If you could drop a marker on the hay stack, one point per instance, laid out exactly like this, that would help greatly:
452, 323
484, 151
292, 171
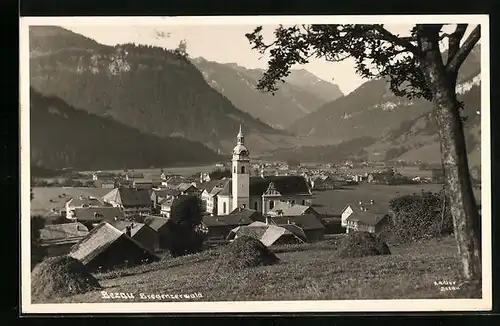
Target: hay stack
245, 252
59, 277
362, 244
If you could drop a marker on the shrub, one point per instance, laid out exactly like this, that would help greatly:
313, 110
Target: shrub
420, 216
362, 244
245, 252
61, 276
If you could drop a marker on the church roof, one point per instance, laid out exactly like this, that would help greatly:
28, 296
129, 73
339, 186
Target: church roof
286, 185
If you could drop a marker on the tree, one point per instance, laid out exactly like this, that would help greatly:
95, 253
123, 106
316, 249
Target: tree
182, 49
414, 67
183, 225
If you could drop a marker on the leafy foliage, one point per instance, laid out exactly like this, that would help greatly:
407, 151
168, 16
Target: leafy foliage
184, 234
376, 52
362, 244
420, 216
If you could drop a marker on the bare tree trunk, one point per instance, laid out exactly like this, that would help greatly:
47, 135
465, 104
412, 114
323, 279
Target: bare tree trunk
466, 219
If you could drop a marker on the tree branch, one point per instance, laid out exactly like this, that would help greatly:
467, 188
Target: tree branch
454, 41
401, 41
456, 61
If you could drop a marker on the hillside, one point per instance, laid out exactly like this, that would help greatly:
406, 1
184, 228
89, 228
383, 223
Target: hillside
62, 136
302, 94
371, 110
144, 87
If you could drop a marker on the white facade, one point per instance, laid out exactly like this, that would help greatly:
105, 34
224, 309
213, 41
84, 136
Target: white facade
240, 175
344, 215
224, 206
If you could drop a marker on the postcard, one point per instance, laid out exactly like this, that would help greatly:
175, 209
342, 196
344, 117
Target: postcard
255, 164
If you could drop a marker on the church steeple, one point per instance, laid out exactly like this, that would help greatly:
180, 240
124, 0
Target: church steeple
240, 137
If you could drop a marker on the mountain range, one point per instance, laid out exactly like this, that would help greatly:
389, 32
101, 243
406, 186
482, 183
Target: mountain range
151, 89
62, 136
301, 94
158, 97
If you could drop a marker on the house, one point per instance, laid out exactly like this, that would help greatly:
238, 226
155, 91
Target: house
105, 183
323, 182
166, 207
140, 232
366, 220
258, 193
220, 226
309, 224
106, 248
133, 175
99, 175
91, 216
132, 201
142, 184
188, 189
83, 202
344, 214
291, 209
160, 225
57, 239
266, 233
209, 191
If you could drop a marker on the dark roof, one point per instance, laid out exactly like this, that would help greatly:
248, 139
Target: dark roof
185, 186
209, 185
246, 213
98, 240
366, 217
129, 197
89, 201
97, 213
227, 220
286, 185
122, 225
306, 222
155, 222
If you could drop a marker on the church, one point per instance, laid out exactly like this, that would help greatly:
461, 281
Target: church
258, 193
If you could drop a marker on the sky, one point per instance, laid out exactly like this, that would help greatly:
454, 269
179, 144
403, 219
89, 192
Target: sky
222, 43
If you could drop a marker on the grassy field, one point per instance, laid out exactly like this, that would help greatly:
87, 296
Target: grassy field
155, 172
305, 272
331, 202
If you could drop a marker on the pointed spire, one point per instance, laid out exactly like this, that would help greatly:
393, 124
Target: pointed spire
240, 136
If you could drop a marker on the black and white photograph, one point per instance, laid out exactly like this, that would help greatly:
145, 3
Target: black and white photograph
255, 164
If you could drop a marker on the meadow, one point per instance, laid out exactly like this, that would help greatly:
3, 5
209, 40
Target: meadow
305, 272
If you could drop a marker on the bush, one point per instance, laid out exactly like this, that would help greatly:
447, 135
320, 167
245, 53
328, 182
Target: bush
362, 244
61, 276
245, 252
420, 216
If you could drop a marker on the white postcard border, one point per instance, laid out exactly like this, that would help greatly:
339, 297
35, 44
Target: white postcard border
257, 306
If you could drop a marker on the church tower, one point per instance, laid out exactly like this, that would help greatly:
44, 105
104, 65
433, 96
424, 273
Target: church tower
241, 174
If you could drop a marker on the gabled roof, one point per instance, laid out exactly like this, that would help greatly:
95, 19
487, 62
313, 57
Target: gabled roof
209, 185
97, 213
226, 220
215, 191
98, 240
371, 218
155, 222
129, 197
65, 231
246, 213
288, 209
184, 186
122, 226
267, 234
89, 201
306, 222
141, 180
227, 189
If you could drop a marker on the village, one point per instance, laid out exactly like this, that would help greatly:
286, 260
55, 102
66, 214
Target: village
273, 202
